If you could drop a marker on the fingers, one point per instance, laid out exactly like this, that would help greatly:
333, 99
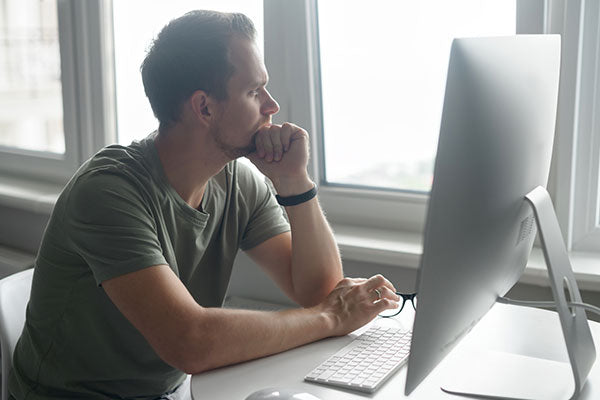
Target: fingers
384, 304
377, 295
372, 289
356, 301
378, 282
277, 147
273, 141
351, 281
287, 131
384, 292
264, 146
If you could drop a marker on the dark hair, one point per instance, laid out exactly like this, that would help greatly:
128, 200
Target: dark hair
191, 53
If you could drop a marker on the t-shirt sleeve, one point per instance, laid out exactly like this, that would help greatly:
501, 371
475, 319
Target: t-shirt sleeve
266, 216
111, 226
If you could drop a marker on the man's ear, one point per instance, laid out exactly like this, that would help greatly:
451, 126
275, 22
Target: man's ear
202, 105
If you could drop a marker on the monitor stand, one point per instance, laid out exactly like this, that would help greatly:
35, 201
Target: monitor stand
513, 376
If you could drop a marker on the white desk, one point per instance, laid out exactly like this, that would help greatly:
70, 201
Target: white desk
521, 330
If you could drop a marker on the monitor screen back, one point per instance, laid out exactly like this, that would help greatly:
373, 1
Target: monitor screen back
494, 147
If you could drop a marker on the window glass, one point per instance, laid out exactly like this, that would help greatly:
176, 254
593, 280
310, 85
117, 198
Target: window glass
134, 30
383, 69
31, 106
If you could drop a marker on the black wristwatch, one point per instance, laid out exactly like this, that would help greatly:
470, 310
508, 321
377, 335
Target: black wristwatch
297, 199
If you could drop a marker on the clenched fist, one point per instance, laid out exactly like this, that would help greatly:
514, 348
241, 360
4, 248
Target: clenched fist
282, 155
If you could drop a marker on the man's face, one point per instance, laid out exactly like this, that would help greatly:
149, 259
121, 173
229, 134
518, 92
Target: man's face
249, 105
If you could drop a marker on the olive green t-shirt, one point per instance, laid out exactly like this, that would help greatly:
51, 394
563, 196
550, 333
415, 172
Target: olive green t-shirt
118, 214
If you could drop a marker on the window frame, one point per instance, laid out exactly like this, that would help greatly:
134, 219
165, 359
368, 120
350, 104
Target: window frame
291, 56
301, 99
583, 204
87, 87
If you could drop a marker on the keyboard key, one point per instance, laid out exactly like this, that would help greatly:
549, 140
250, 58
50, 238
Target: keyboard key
366, 362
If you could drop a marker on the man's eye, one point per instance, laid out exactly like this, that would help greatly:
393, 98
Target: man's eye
254, 92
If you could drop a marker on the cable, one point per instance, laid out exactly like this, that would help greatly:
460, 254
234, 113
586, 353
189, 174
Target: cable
547, 304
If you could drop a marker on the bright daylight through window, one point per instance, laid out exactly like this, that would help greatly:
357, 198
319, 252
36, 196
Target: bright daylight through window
31, 106
133, 36
383, 71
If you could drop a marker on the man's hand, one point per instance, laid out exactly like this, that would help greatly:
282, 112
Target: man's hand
282, 155
355, 302
195, 339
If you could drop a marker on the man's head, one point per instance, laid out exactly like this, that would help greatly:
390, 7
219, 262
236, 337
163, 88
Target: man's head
191, 53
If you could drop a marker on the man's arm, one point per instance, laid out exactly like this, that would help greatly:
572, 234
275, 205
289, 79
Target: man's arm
308, 268
307, 265
195, 339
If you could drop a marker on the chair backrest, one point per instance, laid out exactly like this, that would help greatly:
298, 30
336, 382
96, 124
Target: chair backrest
14, 296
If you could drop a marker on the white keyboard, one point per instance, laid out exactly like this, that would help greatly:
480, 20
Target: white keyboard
367, 362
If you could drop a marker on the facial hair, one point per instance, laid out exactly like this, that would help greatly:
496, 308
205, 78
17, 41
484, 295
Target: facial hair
232, 152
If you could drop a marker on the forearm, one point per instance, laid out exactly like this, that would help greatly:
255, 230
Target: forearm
195, 339
315, 263
224, 337
315, 267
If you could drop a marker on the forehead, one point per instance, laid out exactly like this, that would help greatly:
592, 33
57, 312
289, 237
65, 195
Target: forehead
249, 68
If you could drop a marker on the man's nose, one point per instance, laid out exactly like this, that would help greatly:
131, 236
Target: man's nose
270, 106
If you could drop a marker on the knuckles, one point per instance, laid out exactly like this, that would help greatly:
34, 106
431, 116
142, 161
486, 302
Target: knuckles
378, 279
286, 129
346, 282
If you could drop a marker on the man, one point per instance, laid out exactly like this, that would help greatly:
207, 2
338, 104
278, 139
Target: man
137, 255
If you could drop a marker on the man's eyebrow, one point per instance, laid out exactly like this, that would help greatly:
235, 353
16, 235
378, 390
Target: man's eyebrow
260, 83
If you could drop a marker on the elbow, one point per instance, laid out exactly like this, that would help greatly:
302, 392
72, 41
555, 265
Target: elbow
178, 354
317, 292
189, 356
197, 351
192, 367
315, 297
187, 363
189, 349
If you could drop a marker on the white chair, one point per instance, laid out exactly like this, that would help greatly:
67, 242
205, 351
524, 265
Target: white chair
14, 296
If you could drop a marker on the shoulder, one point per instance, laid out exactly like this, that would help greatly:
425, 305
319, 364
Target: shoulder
117, 160
104, 192
103, 180
113, 170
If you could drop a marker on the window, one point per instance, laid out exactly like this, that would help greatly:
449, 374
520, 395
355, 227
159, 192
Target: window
53, 85
332, 40
329, 51
83, 74
30, 85
382, 78
135, 118
579, 127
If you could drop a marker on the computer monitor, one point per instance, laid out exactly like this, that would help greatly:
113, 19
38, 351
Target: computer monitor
495, 147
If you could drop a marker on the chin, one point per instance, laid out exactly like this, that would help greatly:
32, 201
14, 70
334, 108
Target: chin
238, 152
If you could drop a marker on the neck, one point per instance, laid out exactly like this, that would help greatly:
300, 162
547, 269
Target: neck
189, 160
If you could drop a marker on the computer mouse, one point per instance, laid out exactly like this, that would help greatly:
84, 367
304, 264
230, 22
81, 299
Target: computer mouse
275, 393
